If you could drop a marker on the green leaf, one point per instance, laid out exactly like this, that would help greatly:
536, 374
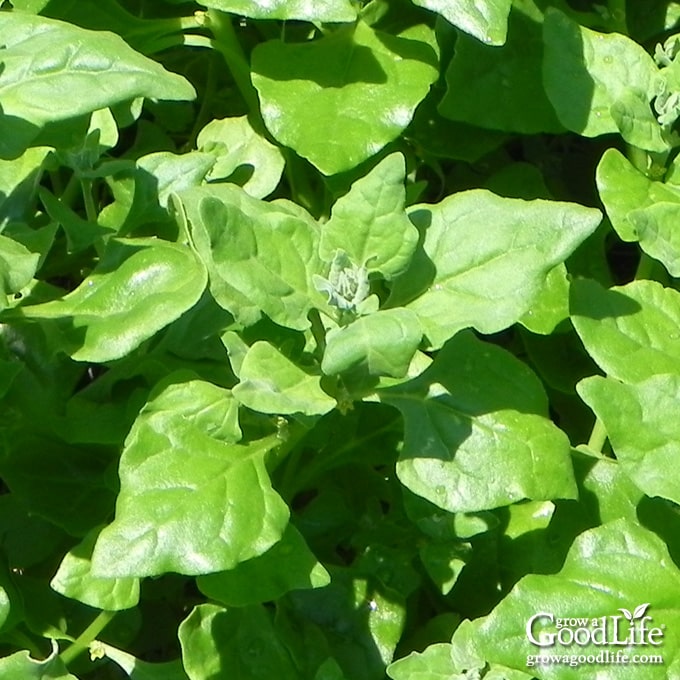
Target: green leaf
142, 191
18, 182
434, 663
600, 575
42, 57
242, 155
320, 10
505, 79
288, 565
476, 432
142, 670
74, 579
643, 427
624, 189
69, 486
219, 644
382, 344
337, 101
630, 331
600, 83
139, 287
21, 666
360, 620
260, 256
192, 501
17, 267
460, 280
369, 222
271, 383
486, 20
657, 231
551, 305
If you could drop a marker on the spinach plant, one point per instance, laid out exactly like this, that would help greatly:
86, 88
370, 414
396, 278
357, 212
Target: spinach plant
339, 339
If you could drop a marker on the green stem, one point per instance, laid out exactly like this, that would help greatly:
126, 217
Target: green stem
203, 115
598, 436
227, 43
645, 267
88, 636
319, 333
90, 207
617, 11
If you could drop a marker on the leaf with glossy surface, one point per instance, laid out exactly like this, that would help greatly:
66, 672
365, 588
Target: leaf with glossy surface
21, 666
43, 59
486, 20
260, 256
271, 383
74, 579
433, 663
288, 565
600, 83
617, 564
633, 331
369, 222
220, 644
476, 432
382, 344
657, 231
337, 101
238, 148
505, 79
192, 500
139, 287
643, 426
484, 259
624, 189
320, 10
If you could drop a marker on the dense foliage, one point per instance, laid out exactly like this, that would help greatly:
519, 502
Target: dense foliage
338, 339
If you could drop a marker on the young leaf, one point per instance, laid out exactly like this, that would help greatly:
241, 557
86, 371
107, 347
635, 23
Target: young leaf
260, 256
369, 222
623, 189
17, 267
139, 287
271, 383
367, 82
187, 500
643, 426
486, 20
237, 147
288, 565
382, 344
476, 435
630, 331
600, 83
602, 569
484, 259
42, 57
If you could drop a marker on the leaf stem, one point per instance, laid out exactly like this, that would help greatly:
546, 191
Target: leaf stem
82, 642
598, 436
319, 333
90, 207
226, 42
